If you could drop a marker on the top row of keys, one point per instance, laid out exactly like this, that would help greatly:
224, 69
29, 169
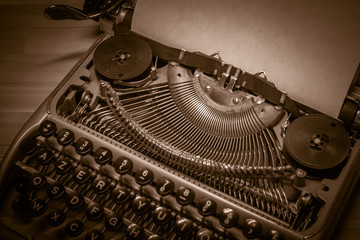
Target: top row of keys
83, 146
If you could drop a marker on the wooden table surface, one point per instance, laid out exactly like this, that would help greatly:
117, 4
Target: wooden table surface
36, 53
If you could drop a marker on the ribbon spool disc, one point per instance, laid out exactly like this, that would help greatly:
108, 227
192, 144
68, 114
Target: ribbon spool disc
317, 142
123, 58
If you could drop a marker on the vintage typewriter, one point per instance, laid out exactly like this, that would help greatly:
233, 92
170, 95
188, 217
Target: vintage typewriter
146, 141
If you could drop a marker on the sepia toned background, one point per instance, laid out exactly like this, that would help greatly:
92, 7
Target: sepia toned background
36, 53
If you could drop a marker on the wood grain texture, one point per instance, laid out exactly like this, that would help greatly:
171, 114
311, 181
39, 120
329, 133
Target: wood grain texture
36, 53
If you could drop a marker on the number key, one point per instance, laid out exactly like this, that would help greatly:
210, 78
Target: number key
164, 186
228, 218
185, 195
83, 146
123, 165
102, 155
144, 176
65, 137
47, 128
206, 206
251, 228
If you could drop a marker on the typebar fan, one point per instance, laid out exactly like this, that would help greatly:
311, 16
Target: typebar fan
180, 121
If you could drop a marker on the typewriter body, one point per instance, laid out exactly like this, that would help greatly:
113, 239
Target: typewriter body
145, 141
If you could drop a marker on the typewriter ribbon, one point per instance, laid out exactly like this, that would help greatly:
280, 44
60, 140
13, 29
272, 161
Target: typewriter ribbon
123, 59
317, 142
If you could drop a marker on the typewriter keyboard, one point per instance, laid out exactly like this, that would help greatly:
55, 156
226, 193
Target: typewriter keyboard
73, 187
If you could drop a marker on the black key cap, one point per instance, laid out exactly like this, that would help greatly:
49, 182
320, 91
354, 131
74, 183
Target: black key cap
37, 207
75, 200
55, 190
74, 227
251, 228
102, 155
100, 185
123, 165
94, 234
164, 186
44, 156
21, 204
28, 146
184, 226
83, 146
38, 181
81, 175
185, 195
162, 215
206, 206
94, 211
135, 232
47, 128
120, 195
141, 205
55, 217
154, 237
204, 233
23, 184
65, 137
62, 165
144, 176
113, 222
274, 235
228, 218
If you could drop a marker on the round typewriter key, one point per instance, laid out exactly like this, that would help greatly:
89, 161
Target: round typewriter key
123, 165
100, 185
55, 217
135, 232
164, 186
144, 176
83, 146
94, 211
47, 128
113, 222
228, 218
206, 206
75, 200
161, 215
28, 146
65, 137
183, 226
62, 165
140, 205
274, 235
205, 234
38, 180
120, 194
94, 234
55, 190
185, 195
102, 155
21, 204
44, 156
23, 184
81, 175
74, 227
37, 207
251, 228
